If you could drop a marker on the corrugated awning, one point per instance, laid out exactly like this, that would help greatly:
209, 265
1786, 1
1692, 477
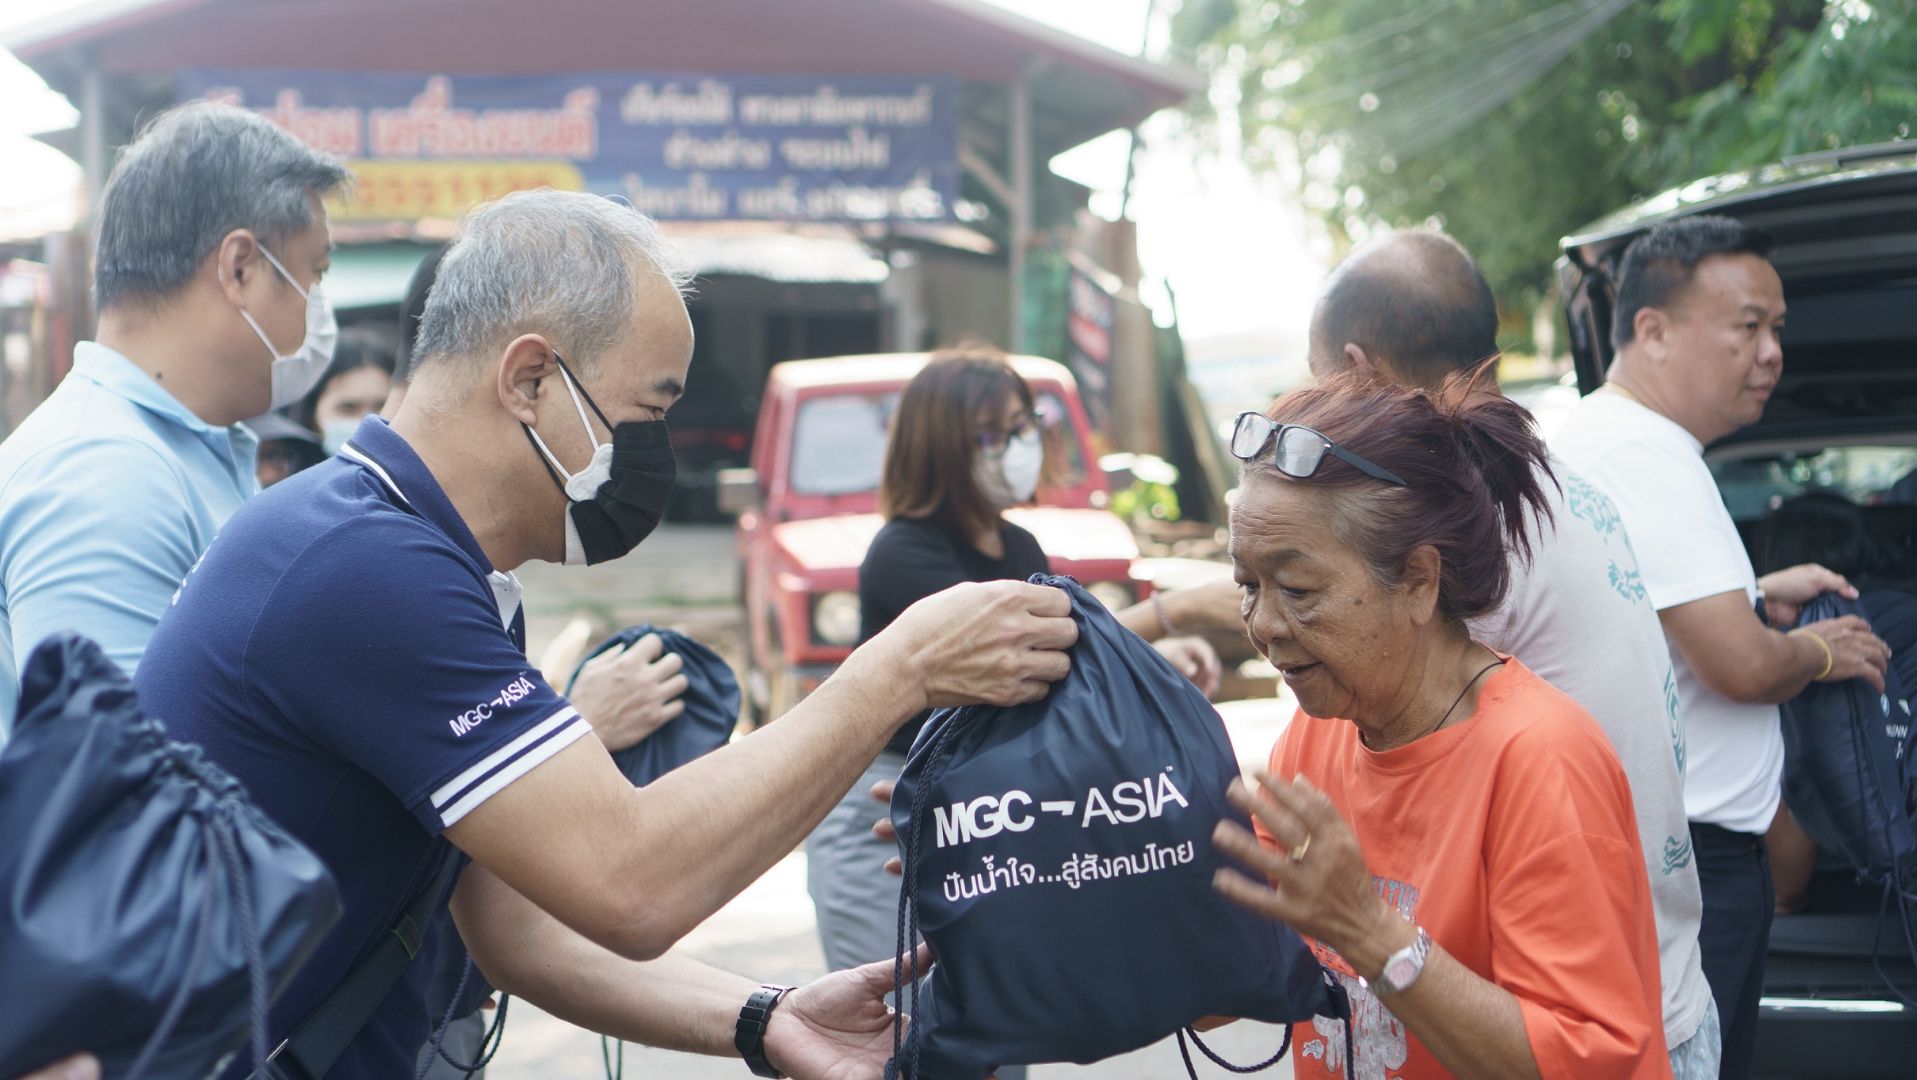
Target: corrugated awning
367, 276
1079, 89
782, 257
372, 275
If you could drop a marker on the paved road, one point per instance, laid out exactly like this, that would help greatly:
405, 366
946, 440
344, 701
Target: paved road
679, 567
767, 933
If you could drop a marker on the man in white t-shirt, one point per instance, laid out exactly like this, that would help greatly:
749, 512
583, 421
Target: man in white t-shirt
1413, 308
1697, 323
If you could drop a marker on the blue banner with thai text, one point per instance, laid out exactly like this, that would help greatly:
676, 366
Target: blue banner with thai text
679, 146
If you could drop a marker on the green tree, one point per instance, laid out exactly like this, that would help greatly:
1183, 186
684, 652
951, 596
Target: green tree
1512, 122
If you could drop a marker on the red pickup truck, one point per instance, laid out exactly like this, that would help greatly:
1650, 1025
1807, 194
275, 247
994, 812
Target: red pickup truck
807, 511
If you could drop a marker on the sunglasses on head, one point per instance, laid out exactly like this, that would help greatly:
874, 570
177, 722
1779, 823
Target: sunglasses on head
1298, 450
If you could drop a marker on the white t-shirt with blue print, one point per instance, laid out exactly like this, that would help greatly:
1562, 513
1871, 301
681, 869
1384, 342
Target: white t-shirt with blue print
1688, 549
1578, 615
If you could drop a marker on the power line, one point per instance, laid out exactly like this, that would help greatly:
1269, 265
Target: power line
1442, 115
1390, 28
1458, 51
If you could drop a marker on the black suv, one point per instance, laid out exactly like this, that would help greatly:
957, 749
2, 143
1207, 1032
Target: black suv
1843, 418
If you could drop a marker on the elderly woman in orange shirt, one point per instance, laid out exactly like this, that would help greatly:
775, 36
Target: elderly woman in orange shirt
1453, 835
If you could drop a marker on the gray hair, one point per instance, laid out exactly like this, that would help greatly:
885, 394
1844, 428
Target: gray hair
195, 174
559, 263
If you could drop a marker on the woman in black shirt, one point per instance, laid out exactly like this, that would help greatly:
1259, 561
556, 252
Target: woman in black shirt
967, 443
965, 446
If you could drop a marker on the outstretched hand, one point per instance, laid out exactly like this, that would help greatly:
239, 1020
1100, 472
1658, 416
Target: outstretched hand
1195, 659
1314, 879
1214, 606
1855, 652
838, 1027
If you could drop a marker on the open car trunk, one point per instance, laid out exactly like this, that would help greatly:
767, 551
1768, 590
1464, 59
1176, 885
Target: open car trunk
1843, 419
1844, 415
1846, 236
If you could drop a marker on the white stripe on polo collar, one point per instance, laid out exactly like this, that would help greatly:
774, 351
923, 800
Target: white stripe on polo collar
506, 587
354, 452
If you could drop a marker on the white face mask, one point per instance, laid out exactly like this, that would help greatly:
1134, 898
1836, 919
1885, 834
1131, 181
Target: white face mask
295, 375
335, 433
1009, 476
581, 486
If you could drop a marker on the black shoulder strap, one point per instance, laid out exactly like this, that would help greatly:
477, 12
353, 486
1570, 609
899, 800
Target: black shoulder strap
323, 1036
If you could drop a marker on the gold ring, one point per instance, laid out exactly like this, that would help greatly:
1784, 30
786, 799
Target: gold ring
1298, 853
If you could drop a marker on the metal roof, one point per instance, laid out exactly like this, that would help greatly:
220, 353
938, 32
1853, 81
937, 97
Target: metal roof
376, 275
372, 275
788, 258
1080, 89
893, 368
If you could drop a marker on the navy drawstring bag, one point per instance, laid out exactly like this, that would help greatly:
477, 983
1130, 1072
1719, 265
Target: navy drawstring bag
151, 911
711, 711
1849, 781
711, 705
1058, 859
1846, 756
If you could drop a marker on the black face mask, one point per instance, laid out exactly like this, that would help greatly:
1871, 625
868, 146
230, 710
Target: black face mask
620, 496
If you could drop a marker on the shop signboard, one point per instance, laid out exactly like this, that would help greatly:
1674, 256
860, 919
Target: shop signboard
679, 146
1091, 313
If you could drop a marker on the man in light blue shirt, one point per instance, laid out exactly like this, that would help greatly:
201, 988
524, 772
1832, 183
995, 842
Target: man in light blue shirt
211, 243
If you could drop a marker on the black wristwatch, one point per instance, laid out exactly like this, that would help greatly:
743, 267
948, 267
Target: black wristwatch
749, 1037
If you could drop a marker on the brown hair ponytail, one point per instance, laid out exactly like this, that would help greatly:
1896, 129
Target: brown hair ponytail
1473, 466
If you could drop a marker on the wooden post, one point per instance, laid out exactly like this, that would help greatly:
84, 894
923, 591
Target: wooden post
93, 139
1020, 136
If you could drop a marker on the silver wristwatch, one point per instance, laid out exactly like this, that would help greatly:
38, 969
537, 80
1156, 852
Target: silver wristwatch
1402, 968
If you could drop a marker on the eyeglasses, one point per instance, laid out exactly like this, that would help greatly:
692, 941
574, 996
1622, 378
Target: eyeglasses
1029, 424
1300, 450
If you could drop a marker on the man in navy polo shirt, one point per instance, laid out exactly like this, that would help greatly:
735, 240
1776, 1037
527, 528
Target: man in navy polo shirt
343, 649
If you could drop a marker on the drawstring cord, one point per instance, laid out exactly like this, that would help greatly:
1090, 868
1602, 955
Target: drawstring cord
1341, 1011
225, 864
227, 834
488, 1044
615, 1066
1242, 1070
174, 1008
905, 1049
